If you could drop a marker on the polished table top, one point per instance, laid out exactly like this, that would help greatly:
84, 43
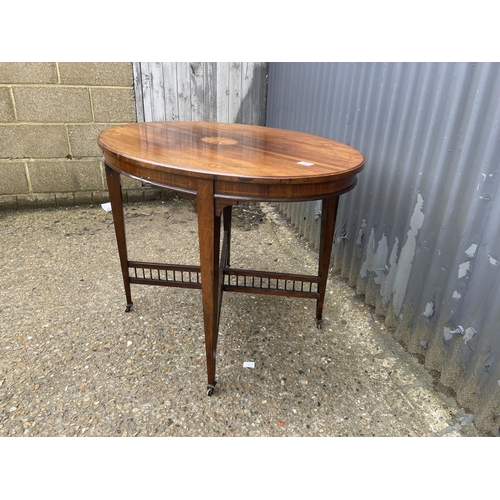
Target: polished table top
233, 155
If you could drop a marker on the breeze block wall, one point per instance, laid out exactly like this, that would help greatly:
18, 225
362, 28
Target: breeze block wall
51, 114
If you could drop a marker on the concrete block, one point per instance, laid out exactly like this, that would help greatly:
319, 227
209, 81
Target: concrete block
168, 194
8, 202
65, 199
114, 105
13, 178
45, 200
52, 104
83, 139
116, 74
65, 176
33, 141
126, 182
100, 197
26, 201
6, 108
133, 195
129, 183
28, 72
82, 198
152, 194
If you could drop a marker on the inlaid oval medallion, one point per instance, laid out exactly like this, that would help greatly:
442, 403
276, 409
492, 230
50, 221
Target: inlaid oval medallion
224, 141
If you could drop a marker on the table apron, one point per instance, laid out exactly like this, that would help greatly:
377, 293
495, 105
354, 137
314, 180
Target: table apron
238, 190
247, 191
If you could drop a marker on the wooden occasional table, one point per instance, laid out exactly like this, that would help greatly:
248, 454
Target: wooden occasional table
217, 165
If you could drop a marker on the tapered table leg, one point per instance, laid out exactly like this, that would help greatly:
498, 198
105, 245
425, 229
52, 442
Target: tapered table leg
115, 196
209, 240
328, 216
227, 215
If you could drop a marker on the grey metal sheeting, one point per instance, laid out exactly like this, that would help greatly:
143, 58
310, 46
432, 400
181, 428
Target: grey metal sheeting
419, 235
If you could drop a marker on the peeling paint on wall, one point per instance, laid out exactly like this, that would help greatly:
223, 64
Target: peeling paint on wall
493, 261
429, 309
447, 333
361, 233
388, 284
380, 260
366, 267
463, 269
469, 334
407, 254
376, 258
471, 251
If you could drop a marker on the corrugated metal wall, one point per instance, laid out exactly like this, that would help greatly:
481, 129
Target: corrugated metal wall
201, 91
419, 236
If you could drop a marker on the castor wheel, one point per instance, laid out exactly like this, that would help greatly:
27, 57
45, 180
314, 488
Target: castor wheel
129, 307
210, 389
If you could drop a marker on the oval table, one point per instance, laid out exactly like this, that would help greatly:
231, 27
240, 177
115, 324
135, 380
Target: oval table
217, 165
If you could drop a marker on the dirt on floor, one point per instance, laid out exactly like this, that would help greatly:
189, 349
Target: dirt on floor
73, 363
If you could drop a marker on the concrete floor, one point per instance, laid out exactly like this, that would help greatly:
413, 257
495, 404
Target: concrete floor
73, 363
